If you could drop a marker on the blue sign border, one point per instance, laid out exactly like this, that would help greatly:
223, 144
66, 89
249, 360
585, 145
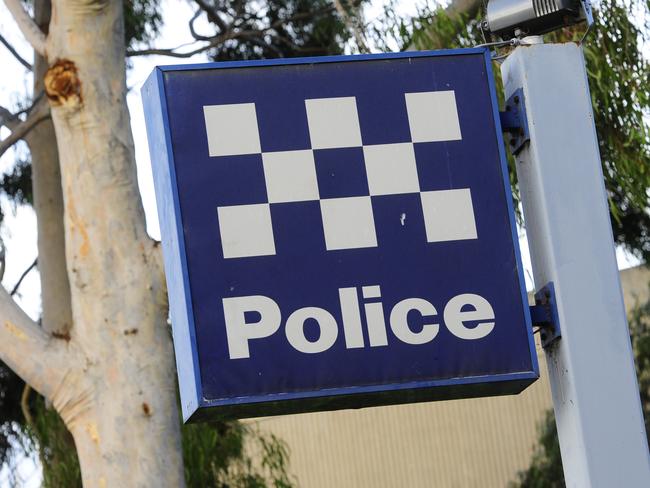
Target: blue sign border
194, 405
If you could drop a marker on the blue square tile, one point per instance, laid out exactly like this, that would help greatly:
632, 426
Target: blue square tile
285, 131
297, 230
382, 117
400, 224
234, 180
341, 172
435, 165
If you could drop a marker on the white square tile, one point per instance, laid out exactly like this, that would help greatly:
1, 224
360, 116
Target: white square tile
348, 223
333, 122
448, 215
290, 176
246, 230
433, 116
232, 129
391, 169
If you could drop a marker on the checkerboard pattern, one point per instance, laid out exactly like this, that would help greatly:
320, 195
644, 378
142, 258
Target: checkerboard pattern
291, 176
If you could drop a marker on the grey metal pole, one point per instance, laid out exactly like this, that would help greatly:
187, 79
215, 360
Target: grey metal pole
595, 391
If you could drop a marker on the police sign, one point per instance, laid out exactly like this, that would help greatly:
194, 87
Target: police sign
337, 232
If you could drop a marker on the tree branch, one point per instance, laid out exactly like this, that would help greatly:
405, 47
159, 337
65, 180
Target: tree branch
39, 112
196, 36
351, 16
27, 26
172, 52
213, 16
8, 119
12, 120
28, 350
11, 49
458, 8
22, 277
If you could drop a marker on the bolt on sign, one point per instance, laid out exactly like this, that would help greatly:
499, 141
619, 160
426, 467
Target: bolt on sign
338, 232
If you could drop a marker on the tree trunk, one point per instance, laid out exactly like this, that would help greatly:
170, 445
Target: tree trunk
48, 205
110, 372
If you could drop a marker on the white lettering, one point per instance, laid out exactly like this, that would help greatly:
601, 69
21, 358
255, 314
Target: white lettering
482, 312
351, 318
295, 330
467, 316
399, 321
239, 331
376, 324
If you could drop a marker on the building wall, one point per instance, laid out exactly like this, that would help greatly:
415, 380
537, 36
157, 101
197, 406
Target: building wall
461, 443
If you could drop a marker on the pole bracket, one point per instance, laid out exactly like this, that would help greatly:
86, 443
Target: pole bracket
514, 121
545, 316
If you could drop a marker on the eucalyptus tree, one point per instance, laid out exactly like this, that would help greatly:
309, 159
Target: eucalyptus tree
101, 354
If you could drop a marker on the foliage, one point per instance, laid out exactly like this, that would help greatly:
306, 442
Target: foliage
17, 183
142, 21
222, 455
430, 28
545, 470
275, 28
11, 387
640, 334
619, 79
46, 434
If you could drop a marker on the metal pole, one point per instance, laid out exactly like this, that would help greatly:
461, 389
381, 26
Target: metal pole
595, 391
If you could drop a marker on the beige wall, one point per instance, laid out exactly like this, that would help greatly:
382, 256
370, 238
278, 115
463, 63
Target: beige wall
462, 443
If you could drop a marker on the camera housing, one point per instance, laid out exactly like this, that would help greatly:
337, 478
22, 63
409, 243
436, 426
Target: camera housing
519, 18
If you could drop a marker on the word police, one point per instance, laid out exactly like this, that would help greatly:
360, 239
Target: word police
466, 316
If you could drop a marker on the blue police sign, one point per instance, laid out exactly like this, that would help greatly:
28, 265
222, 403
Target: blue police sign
337, 232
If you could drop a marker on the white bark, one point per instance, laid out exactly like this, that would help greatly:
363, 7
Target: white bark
31, 353
130, 434
112, 380
48, 205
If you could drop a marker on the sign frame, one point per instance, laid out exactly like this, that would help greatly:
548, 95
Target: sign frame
194, 405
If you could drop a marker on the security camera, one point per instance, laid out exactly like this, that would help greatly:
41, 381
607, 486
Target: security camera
508, 19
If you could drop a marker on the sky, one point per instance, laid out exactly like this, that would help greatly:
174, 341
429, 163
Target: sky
19, 230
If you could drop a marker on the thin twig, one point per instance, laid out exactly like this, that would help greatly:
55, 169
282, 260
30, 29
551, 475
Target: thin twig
27, 26
24, 405
215, 41
22, 277
213, 16
196, 36
11, 49
228, 34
